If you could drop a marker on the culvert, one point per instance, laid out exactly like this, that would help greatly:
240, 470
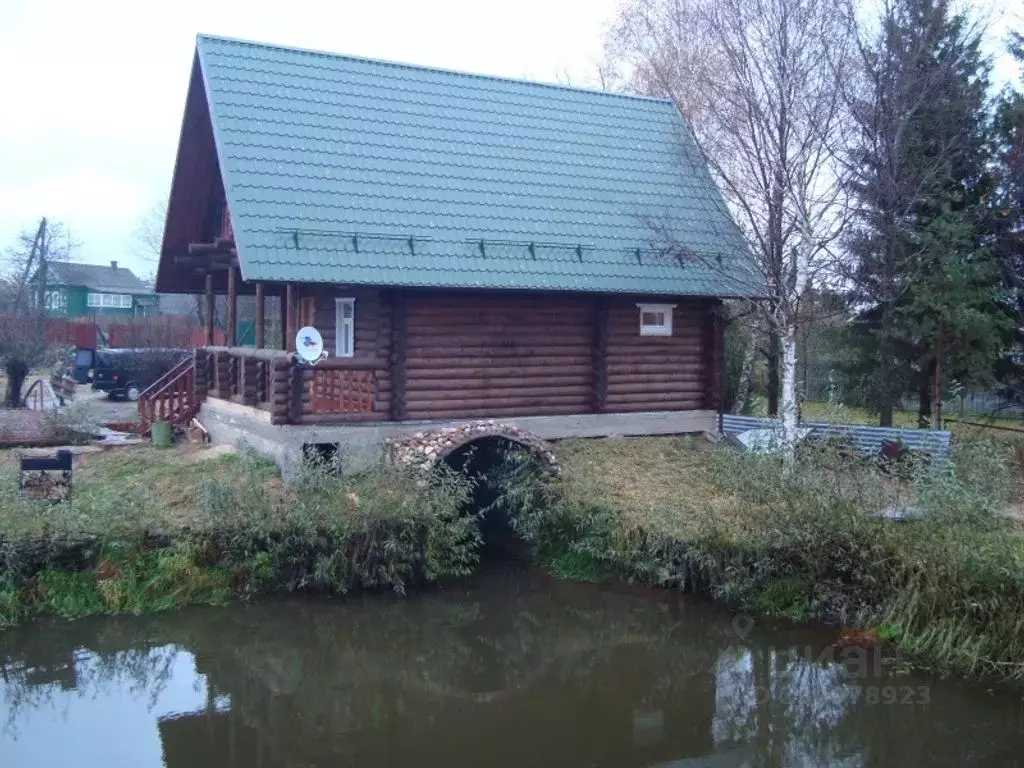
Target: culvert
487, 453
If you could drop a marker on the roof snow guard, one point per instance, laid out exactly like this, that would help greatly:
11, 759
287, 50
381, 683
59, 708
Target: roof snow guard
347, 170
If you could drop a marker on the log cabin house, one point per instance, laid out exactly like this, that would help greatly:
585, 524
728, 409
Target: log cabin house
468, 246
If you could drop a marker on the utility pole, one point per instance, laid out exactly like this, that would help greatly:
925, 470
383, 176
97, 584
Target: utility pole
38, 251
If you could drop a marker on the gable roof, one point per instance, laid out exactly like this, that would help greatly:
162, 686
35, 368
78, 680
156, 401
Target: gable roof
97, 277
348, 170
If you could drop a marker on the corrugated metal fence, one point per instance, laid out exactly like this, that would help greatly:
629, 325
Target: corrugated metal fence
866, 440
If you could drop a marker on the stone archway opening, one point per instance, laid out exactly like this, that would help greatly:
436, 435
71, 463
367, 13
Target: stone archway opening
488, 454
483, 460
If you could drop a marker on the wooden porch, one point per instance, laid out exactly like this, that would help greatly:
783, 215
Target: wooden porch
337, 390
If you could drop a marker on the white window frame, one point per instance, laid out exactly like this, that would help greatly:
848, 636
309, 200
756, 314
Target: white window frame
345, 328
656, 329
108, 300
55, 300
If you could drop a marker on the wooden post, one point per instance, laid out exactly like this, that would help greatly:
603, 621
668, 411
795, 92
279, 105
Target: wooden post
209, 309
298, 383
937, 407
714, 360
259, 316
232, 307
600, 356
283, 314
290, 327
399, 334
199, 382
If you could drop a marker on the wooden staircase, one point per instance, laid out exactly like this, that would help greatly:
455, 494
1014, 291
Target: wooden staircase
171, 398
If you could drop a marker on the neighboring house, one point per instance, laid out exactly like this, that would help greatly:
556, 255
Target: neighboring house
84, 290
467, 246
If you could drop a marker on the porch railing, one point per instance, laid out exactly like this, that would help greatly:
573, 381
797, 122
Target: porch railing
171, 398
254, 377
337, 390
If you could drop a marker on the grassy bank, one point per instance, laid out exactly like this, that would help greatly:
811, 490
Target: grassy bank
153, 530
682, 513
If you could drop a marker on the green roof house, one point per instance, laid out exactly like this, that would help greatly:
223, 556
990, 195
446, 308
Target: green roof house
79, 290
466, 246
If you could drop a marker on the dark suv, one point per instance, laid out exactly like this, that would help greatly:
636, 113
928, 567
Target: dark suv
127, 372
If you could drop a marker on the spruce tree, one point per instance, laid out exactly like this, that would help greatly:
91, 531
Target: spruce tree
924, 276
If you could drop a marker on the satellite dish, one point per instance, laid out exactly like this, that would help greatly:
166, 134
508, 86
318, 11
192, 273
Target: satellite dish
309, 345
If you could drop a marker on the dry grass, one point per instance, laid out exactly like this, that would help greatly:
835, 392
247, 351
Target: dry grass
670, 485
153, 489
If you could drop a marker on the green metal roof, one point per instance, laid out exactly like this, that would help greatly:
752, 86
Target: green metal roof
348, 170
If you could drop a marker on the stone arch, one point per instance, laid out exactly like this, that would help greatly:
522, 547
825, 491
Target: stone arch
423, 450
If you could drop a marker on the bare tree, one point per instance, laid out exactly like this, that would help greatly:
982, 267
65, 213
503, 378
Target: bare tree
148, 235
23, 338
758, 81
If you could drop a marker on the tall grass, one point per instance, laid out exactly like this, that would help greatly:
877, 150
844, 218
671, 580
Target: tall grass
948, 587
119, 546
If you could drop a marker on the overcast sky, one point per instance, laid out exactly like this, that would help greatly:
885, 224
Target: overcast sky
93, 92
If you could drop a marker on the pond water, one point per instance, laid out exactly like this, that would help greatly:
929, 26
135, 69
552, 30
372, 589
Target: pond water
511, 670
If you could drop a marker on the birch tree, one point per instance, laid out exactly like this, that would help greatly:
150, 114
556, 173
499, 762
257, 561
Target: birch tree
759, 82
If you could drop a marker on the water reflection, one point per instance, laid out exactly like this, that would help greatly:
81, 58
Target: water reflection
515, 671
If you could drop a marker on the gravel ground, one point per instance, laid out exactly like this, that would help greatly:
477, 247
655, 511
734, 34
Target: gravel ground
103, 409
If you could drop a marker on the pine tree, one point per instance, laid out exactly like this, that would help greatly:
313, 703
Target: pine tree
1006, 204
923, 270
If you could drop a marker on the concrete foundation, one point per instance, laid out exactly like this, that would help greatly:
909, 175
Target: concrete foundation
361, 444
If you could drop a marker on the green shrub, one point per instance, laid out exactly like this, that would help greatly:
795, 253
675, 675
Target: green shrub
812, 547
118, 548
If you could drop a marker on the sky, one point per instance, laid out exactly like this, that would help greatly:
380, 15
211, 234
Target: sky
92, 93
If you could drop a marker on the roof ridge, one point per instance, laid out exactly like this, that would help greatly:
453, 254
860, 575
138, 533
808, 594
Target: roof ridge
426, 68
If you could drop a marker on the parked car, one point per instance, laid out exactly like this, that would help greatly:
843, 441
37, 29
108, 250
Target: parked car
127, 372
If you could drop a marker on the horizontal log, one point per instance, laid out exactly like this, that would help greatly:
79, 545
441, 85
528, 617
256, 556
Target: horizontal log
682, 388
654, 343
346, 363
653, 397
679, 327
680, 347
218, 251
553, 338
655, 365
495, 303
632, 313
654, 378
475, 319
454, 361
278, 355
518, 372
492, 412
496, 392
682, 405
457, 382
453, 403
547, 349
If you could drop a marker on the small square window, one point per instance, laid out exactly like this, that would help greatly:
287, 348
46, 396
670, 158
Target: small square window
656, 319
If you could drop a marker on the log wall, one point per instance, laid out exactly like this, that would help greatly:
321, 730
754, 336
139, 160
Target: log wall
493, 355
448, 355
656, 373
